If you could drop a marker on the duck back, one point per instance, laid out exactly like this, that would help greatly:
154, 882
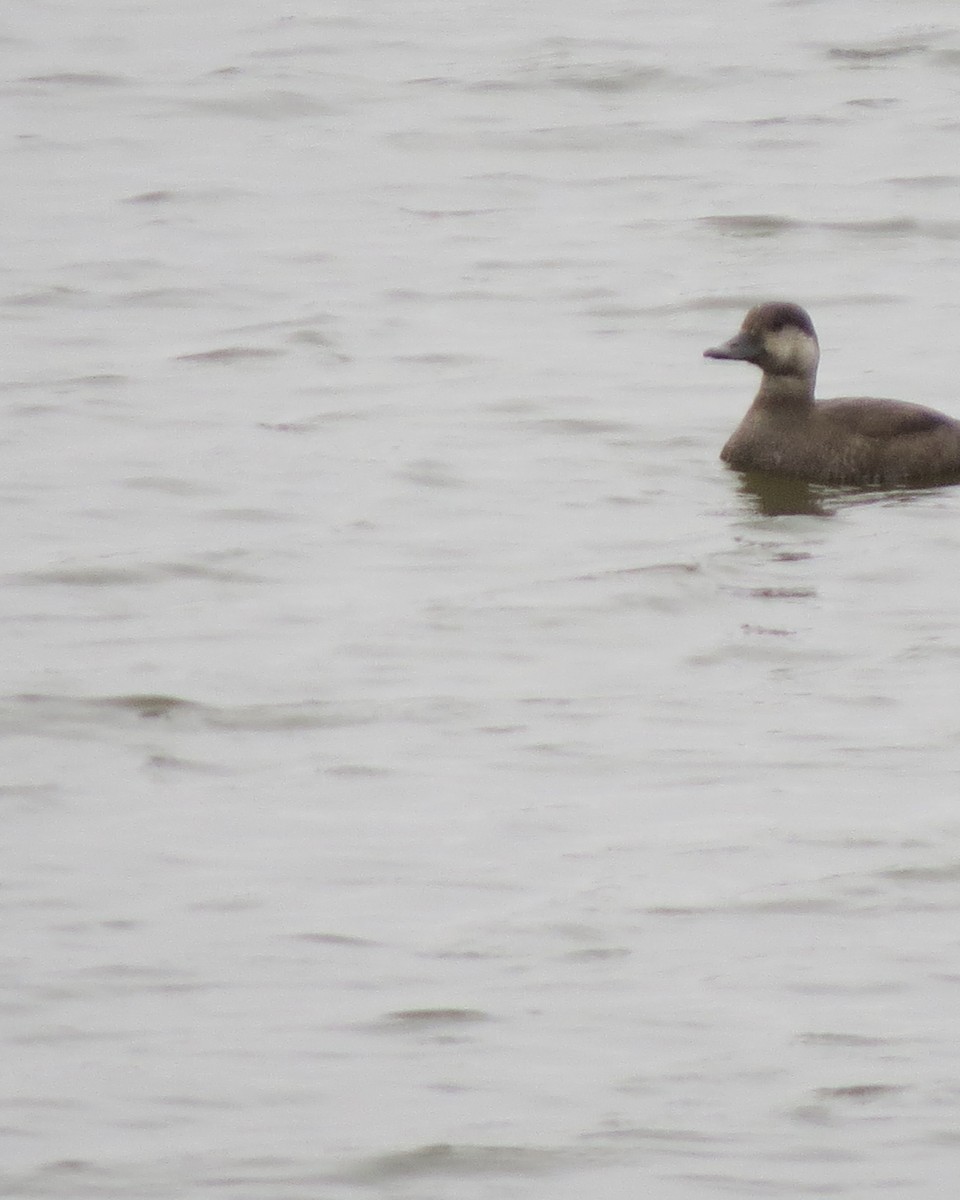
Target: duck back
851, 440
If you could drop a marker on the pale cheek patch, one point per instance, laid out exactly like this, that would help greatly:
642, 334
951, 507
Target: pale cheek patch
793, 349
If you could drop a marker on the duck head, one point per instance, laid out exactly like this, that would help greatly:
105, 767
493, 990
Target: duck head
777, 337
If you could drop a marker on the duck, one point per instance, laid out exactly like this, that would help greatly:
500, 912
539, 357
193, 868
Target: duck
855, 440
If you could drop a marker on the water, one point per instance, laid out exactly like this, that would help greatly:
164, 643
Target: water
427, 771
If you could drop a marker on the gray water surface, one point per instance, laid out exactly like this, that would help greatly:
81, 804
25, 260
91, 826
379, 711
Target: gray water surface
427, 772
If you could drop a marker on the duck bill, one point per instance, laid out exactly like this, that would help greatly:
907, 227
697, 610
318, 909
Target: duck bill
743, 348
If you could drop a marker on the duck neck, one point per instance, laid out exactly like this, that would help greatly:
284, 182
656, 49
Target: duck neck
786, 392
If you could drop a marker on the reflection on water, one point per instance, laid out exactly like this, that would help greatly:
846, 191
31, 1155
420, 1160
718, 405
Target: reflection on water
782, 496
777, 496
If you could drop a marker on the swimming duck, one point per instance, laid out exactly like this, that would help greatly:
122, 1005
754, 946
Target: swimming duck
855, 440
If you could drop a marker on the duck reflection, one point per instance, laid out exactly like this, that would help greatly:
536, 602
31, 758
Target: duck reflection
780, 496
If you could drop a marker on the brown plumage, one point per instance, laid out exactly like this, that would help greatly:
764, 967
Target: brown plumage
855, 440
